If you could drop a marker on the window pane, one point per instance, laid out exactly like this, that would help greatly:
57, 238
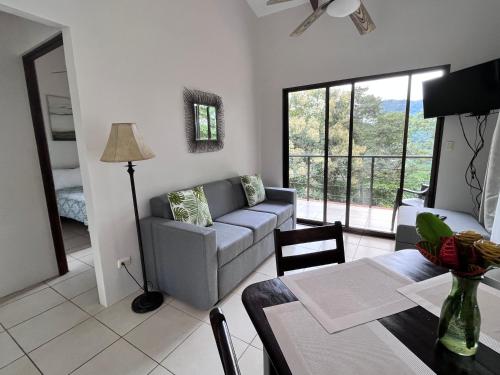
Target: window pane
379, 119
306, 122
213, 123
339, 119
421, 134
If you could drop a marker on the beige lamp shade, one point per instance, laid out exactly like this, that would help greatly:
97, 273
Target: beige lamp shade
125, 144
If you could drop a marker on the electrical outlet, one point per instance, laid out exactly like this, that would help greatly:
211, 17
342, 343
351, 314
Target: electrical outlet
127, 261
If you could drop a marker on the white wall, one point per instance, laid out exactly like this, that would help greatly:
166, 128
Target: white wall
131, 61
63, 154
452, 191
26, 250
410, 34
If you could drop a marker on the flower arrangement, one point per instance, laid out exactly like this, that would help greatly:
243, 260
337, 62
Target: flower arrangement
466, 254
469, 256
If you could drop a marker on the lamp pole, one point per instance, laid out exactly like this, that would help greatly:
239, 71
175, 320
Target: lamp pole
148, 301
131, 171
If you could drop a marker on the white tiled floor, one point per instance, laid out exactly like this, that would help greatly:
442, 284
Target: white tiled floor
60, 328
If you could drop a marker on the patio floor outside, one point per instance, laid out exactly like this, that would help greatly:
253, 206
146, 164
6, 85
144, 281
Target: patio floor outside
364, 217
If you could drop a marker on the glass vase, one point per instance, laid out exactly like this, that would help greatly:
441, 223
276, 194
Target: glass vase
460, 320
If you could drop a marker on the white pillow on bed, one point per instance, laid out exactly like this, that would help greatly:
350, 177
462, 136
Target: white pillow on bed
66, 178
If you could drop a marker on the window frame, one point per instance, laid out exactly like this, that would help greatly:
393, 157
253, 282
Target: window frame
438, 138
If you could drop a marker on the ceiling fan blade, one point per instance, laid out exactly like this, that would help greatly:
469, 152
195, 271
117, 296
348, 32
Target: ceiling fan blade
272, 2
362, 20
311, 19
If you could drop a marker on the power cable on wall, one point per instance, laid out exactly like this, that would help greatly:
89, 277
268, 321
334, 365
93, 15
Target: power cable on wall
475, 145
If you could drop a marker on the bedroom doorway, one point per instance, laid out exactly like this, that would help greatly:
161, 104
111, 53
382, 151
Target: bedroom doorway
52, 115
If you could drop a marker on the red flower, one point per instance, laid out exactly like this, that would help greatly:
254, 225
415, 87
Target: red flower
448, 253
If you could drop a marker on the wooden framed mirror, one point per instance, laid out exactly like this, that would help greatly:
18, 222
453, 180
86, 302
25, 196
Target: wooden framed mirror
204, 114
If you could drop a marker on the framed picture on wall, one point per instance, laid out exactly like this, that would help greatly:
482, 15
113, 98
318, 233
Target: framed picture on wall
60, 115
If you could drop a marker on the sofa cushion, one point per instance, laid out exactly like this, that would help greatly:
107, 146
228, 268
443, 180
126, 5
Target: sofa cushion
238, 192
282, 210
190, 206
254, 189
222, 198
231, 241
261, 223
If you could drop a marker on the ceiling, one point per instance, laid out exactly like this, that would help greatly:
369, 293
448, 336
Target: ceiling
261, 9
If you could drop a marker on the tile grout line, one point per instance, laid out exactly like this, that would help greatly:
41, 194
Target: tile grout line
244, 351
69, 278
122, 337
203, 323
14, 299
76, 325
50, 308
95, 355
40, 313
62, 333
78, 295
22, 349
163, 367
175, 348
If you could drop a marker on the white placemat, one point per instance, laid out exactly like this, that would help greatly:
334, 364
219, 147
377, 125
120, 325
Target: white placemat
349, 294
431, 293
365, 349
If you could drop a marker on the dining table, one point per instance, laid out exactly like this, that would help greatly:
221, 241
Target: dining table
415, 328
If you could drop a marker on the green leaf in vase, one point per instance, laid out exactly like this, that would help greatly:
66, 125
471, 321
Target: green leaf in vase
431, 228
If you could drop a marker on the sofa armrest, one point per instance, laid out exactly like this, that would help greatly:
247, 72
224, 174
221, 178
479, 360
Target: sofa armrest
185, 259
281, 194
284, 195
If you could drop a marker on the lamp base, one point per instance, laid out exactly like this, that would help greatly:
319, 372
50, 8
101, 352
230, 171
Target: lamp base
147, 302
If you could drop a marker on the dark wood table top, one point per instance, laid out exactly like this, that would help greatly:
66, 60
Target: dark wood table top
416, 328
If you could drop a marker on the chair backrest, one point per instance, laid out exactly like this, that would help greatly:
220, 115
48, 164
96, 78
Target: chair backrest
313, 259
224, 343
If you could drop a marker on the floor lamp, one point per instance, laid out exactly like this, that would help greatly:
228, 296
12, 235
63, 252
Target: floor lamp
126, 145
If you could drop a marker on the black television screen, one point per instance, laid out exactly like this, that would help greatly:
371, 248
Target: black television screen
473, 90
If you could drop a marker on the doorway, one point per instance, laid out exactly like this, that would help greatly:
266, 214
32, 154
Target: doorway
52, 115
350, 145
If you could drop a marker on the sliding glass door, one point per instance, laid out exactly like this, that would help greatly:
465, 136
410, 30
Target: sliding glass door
306, 142
351, 145
339, 115
377, 153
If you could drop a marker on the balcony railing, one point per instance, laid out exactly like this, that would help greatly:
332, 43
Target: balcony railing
414, 175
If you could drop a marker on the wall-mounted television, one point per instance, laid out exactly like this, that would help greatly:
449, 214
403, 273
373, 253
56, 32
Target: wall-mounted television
475, 90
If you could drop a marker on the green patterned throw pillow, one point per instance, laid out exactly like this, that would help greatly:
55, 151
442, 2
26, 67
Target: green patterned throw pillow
254, 189
191, 206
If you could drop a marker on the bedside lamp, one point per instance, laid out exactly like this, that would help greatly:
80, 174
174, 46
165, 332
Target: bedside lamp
126, 145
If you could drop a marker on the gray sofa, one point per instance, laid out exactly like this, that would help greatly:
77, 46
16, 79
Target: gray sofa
406, 233
201, 265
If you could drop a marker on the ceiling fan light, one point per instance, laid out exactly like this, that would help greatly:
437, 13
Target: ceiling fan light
343, 8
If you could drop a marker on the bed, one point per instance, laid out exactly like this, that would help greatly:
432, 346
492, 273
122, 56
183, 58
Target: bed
69, 193
71, 204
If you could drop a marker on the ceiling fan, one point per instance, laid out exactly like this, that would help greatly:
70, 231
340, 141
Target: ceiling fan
335, 8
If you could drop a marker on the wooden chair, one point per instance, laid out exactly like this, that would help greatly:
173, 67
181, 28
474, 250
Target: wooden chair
313, 259
224, 343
